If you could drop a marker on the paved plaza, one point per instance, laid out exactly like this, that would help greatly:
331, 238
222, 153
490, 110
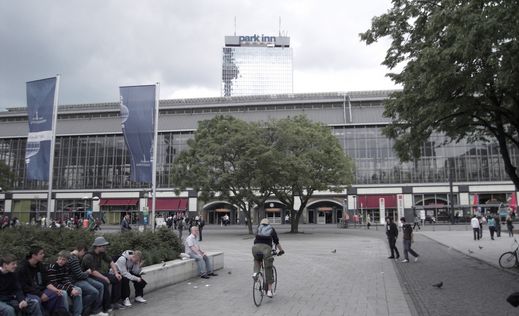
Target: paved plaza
356, 279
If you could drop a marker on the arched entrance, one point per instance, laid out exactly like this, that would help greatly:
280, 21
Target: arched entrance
324, 212
215, 212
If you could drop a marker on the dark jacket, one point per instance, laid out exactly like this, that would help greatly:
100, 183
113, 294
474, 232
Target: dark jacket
407, 231
10, 288
33, 280
125, 225
94, 261
392, 231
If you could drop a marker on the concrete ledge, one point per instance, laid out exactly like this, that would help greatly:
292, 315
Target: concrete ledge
164, 274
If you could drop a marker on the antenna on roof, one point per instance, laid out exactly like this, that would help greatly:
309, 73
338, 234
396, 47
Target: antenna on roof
235, 25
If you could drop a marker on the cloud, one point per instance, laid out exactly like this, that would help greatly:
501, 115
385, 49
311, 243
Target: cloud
99, 45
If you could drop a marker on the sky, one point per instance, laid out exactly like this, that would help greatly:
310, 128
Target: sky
98, 45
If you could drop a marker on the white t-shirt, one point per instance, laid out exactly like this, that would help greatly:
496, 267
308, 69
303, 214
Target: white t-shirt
191, 241
474, 222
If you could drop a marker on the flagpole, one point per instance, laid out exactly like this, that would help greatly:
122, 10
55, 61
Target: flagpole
154, 163
52, 145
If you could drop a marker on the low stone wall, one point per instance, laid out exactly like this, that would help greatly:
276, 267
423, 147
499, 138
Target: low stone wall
164, 274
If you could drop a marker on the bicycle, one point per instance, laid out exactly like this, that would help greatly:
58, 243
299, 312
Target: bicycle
259, 284
509, 260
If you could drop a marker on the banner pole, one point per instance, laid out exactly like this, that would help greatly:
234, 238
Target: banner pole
154, 163
51, 156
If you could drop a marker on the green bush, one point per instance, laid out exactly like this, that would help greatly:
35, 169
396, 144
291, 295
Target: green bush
163, 245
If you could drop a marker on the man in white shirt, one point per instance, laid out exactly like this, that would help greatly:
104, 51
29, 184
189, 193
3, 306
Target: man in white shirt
193, 250
474, 222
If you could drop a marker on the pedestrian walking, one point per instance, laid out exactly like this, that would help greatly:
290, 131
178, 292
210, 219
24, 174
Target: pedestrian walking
392, 235
498, 225
180, 226
474, 222
407, 232
416, 222
491, 223
509, 225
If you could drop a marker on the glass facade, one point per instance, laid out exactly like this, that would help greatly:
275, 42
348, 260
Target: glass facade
101, 161
256, 70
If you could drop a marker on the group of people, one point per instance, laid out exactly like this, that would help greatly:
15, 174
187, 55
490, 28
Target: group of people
493, 221
74, 284
407, 238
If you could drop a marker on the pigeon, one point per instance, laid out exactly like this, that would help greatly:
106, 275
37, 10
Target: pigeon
480, 247
438, 285
229, 272
334, 250
470, 251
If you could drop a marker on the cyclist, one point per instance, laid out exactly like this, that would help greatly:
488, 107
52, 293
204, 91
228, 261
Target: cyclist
262, 249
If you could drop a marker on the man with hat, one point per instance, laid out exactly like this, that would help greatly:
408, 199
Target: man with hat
93, 261
262, 250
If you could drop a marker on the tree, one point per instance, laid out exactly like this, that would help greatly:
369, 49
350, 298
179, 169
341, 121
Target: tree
460, 73
227, 158
308, 158
6, 176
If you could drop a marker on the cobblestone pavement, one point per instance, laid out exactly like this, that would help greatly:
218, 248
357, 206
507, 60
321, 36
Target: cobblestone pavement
356, 280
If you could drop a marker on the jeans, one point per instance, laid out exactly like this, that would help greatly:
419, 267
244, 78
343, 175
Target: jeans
392, 247
6, 309
476, 233
92, 294
407, 249
115, 293
204, 264
138, 286
266, 250
77, 302
492, 230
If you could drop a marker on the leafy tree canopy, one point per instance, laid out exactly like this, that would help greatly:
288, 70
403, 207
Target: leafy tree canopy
460, 73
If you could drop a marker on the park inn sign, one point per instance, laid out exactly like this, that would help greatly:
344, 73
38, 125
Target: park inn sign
257, 39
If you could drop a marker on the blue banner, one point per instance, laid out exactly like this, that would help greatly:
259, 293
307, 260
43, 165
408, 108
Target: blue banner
137, 114
40, 112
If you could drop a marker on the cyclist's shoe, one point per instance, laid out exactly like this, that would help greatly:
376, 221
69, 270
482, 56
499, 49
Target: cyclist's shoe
282, 252
255, 276
270, 294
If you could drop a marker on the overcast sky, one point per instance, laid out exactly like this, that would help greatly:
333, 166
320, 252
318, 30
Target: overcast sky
98, 46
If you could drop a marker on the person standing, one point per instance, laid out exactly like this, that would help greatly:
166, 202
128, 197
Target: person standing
509, 225
474, 222
498, 225
392, 235
201, 224
491, 223
180, 226
407, 232
416, 222
125, 223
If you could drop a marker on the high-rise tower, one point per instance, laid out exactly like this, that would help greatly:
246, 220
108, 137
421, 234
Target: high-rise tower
256, 64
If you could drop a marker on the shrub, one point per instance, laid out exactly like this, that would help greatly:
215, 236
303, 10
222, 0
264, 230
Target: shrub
163, 245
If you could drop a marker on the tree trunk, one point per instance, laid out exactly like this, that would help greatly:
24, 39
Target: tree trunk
294, 225
510, 169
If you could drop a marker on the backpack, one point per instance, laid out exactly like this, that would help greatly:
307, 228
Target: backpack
265, 230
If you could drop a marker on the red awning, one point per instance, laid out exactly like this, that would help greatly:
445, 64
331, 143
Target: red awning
171, 204
372, 201
118, 202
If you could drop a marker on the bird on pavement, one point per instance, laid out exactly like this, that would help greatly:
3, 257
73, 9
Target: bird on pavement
438, 285
334, 250
470, 251
480, 247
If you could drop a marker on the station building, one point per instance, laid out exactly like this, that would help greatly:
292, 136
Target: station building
91, 165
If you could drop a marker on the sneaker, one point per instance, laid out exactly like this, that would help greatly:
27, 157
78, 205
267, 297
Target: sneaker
391, 257
416, 259
255, 276
140, 299
100, 314
118, 306
270, 294
213, 274
205, 276
108, 311
127, 302
405, 260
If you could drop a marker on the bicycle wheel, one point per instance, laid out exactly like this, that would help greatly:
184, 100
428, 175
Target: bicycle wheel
275, 275
508, 260
257, 289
